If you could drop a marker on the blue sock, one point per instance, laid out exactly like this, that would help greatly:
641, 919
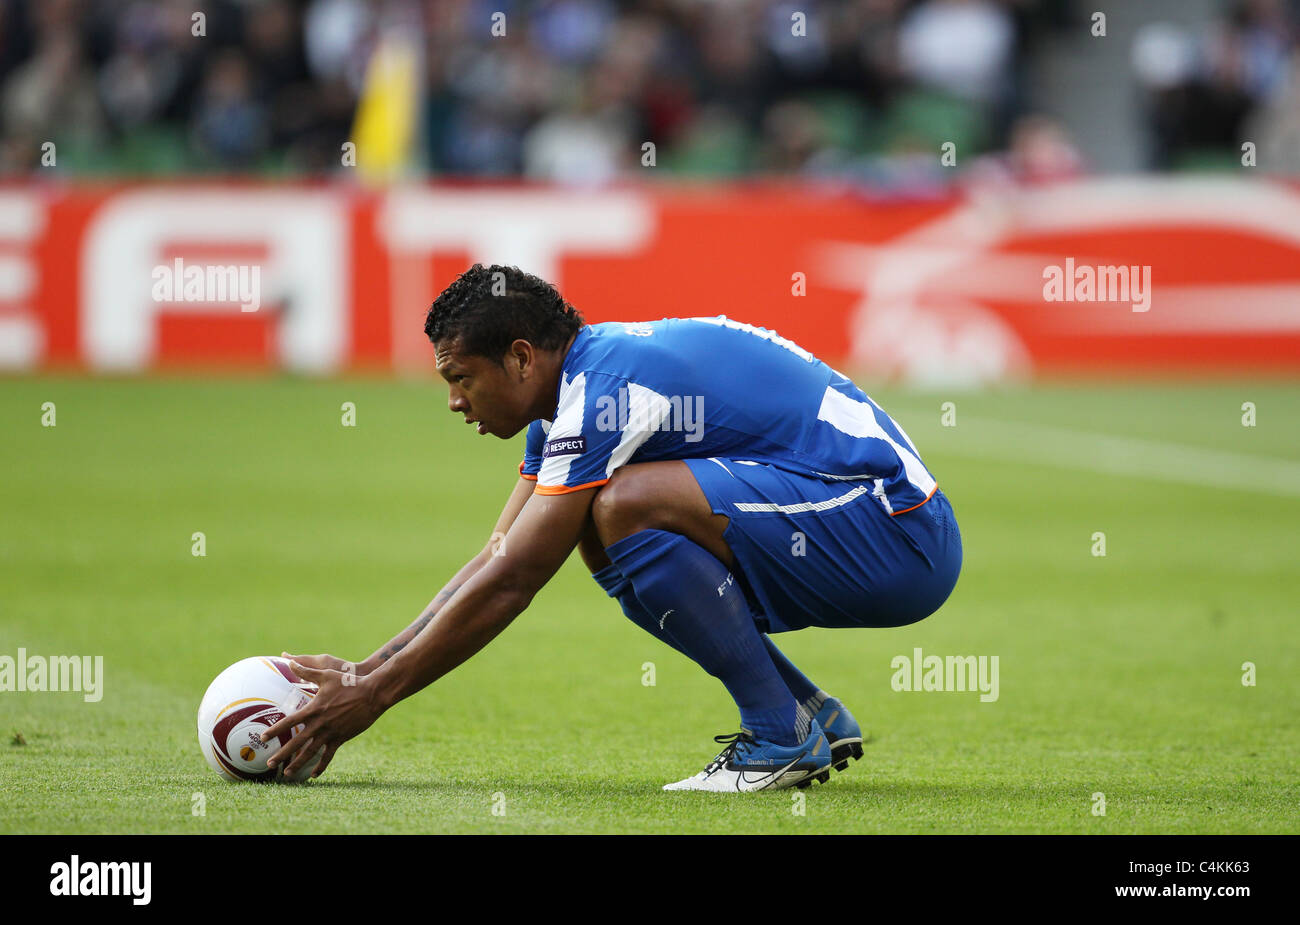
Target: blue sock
611, 580
620, 589
798, 683
698, 602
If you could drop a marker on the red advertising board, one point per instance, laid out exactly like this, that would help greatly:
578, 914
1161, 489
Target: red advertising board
1093, 277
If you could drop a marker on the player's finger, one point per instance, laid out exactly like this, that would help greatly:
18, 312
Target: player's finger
284, 724
312, 661
308, 672
269, 734
305, 752
325, 760
288, 749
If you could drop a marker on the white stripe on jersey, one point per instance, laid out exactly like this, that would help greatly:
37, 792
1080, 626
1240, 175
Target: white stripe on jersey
568, 423
897, 426
722, 321
802, 507
646, 412
857, 419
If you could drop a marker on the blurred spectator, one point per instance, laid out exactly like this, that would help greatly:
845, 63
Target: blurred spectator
142, 75
50, 97
1201, 89
230, 125
1040, 151
1275, 127
962, 47
335, 36
793, 134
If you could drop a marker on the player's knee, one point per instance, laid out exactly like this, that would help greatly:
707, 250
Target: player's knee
624, 506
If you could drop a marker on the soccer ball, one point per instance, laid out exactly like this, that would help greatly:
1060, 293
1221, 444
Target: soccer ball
245, 699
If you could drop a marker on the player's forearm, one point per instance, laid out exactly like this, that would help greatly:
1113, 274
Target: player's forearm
478, 613
519, 496
403, 639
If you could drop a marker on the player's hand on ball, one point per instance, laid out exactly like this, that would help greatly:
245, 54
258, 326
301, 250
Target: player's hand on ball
343, 708
331, 662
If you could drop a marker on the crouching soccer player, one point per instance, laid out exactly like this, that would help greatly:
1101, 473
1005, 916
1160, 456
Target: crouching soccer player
721, 483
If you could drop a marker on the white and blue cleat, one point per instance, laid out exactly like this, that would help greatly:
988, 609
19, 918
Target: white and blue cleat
842, 732
756, 764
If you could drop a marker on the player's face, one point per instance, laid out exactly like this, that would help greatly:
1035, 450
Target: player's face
494, 396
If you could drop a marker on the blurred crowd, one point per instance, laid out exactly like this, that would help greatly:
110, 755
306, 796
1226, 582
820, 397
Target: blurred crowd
571, 90
126, 86
1209, 90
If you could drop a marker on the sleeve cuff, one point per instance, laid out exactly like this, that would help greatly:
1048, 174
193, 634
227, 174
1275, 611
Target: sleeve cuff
565, 489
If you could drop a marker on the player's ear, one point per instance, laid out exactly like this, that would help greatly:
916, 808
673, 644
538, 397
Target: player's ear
520, 358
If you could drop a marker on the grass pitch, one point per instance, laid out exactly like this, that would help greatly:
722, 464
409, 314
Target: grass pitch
1119, 674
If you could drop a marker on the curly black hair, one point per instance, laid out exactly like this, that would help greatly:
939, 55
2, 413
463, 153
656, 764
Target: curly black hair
488, 308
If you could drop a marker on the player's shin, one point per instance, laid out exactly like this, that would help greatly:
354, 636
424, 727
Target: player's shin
693, 597
620, 589
804, 690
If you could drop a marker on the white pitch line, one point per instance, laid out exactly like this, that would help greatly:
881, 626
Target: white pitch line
1115, 455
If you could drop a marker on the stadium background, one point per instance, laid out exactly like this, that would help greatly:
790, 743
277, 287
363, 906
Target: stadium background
360, 154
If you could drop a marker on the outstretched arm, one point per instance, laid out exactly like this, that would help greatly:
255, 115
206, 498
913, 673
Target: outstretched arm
541, 537
514, 504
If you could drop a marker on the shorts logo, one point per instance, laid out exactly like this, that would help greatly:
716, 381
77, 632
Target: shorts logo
565, 446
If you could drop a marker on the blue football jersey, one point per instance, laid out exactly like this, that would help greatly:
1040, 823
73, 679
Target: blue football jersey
684, 388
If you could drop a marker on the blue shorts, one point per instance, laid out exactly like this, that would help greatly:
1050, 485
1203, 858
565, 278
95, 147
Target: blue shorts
846, 564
